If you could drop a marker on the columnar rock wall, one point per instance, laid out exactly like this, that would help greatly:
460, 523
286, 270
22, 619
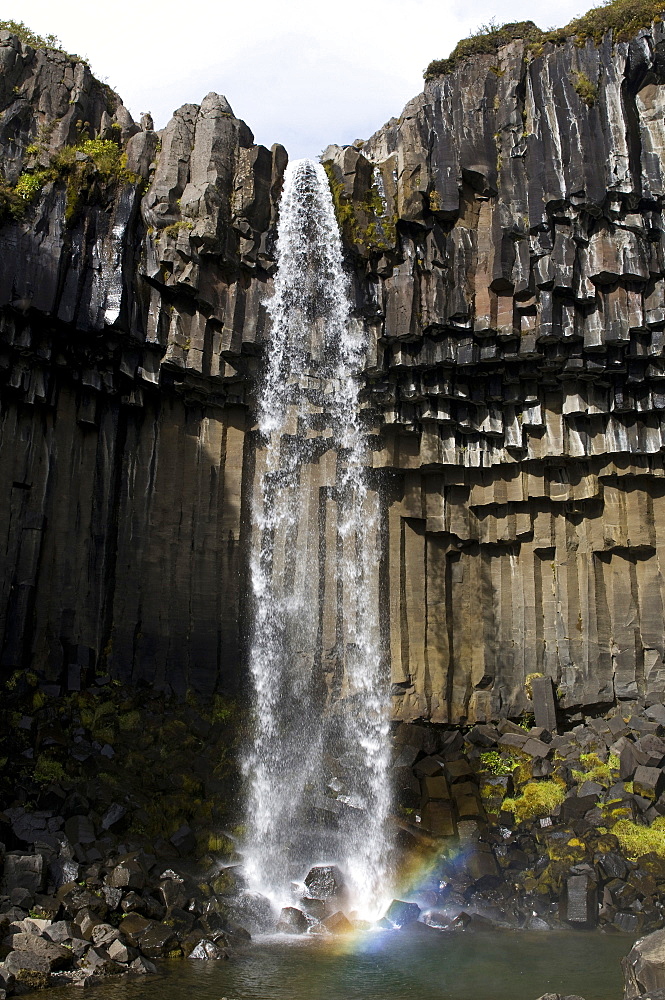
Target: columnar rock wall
505, 239
509, 233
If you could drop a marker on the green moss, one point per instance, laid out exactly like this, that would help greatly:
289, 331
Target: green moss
343, 209
175, 228
366, 223
538, 798
496, 763
585, 89
87, 169
637, 840
595, 770
623, 17
48, 770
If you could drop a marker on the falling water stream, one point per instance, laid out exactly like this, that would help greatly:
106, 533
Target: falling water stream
317, 767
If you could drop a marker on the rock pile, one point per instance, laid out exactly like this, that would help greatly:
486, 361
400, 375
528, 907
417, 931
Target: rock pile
536, 828
61, 922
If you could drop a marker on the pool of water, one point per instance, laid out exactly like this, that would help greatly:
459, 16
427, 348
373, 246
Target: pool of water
421, 963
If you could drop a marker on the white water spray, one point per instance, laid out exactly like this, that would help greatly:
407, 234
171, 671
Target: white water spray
317, 767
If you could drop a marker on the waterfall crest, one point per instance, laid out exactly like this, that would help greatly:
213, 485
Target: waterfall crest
317, 768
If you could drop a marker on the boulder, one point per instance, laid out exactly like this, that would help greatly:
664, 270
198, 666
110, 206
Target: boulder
28, 969
338, 923
208, 950
158, 940
292, 921
324, 881
54, 955
24, 871
121, 953
401, 913
644, 966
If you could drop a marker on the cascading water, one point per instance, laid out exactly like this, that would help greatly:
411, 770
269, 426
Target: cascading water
317, 767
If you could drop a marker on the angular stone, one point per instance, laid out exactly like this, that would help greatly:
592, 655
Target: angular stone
437, 818
338, 923
324, 881
121, 953
157, 940
579, 904
648, 782
292, 921
644, 966
401, 913
208, 950
429, 767
544, 704
25, 871
28, 969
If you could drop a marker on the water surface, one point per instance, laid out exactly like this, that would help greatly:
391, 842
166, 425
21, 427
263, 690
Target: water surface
422, 964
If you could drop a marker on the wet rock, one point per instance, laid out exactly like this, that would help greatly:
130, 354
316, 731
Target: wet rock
132, 927
338, 923
579, 904
128, 874
157, 940
400, 913
142, 966
54, 955
208, 950
292, 921
324, 881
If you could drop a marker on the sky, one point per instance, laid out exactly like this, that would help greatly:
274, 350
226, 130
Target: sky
303, 74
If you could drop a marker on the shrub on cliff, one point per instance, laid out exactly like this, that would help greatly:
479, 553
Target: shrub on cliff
30, 37
487, 39
623, 17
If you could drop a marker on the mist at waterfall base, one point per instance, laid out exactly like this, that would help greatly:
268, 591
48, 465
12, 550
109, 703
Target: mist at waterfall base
316, 771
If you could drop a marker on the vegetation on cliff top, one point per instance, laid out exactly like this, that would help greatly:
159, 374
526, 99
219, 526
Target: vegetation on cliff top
623, 17
30, 37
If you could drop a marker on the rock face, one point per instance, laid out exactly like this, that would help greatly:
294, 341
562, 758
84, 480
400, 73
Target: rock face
644, 966
506, 244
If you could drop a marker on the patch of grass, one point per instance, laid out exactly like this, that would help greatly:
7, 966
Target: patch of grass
637, 840
29, 185
622, 17
88, 169
175, 228
496, 763
485, 40
538, 798
585, 89
48, 770
30, 37
595, 770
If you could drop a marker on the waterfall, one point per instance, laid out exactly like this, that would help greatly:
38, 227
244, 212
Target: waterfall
316, 770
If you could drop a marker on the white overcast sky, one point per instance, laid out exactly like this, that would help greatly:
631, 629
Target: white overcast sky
303, 74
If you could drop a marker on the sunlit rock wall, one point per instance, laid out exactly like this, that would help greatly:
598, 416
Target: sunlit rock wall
510, 242
505, 241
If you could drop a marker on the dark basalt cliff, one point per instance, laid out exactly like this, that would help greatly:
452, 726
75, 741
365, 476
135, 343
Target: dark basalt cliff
506, 241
